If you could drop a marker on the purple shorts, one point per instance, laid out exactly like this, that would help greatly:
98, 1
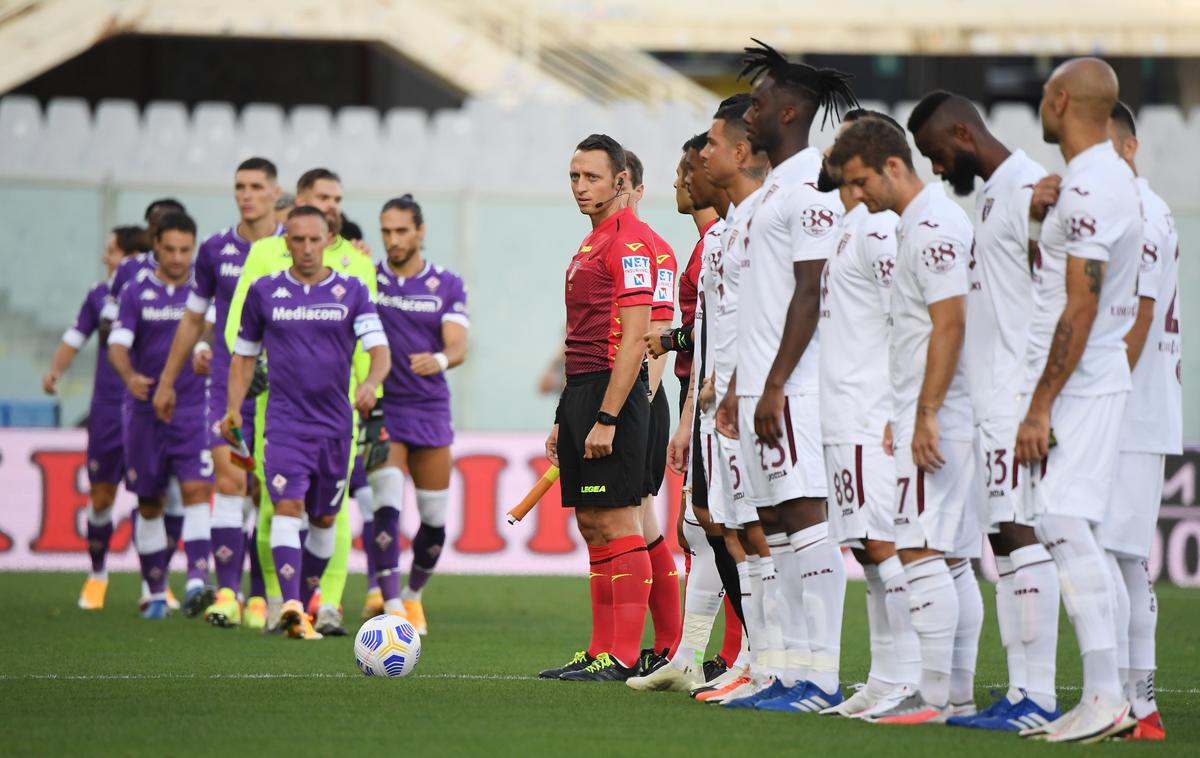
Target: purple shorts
358, 474
105, 448
214, 411
310, 469
154, 451
417, 427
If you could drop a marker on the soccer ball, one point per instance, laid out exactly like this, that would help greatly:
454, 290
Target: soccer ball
387, 646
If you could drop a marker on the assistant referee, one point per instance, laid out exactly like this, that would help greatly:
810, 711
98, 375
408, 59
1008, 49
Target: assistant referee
599, 439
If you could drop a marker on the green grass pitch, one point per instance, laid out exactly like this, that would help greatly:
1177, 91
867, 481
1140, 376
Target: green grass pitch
108, 683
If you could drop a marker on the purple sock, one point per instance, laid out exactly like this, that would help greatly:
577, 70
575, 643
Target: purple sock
386, 547
228, 544
311, 569
258, 587
154, 570
98, 537
197, 552
174, 526
287, 566
368, 537
427, 548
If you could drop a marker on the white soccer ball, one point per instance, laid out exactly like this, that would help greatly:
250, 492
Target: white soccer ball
387, 646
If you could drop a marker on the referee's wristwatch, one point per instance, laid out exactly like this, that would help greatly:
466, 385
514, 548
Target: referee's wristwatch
605, 419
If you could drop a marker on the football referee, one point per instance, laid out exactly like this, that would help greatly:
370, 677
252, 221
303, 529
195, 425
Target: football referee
601, 427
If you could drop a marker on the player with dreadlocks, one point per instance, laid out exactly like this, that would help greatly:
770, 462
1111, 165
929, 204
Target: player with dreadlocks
772, 397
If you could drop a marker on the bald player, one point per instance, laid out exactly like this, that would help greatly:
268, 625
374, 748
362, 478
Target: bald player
949, 131
1078, 378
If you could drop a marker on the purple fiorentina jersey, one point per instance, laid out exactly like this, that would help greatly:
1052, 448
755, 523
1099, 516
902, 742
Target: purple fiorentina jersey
149, 311
412, 311
133, 268
218, 265
108, 388
309, 332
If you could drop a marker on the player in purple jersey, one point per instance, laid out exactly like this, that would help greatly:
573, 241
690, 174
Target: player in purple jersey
424, 312
218, 266
308, 319
136, 266
148, 314
104, 452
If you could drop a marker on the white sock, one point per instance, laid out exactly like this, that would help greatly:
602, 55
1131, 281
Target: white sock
173, 498
752, 609
365, 498
773, 652
966, 634
882, 674
701, 600
906, 646
1120, 616
1008, 618
1143, 621
1087, 594
321, 540
934, 605
794, 657
1036, 591
823, 573
227, 513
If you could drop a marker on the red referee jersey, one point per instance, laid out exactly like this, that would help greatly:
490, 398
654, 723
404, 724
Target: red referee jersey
689, 285
616, 267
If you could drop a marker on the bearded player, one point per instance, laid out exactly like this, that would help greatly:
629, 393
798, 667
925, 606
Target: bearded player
310, 319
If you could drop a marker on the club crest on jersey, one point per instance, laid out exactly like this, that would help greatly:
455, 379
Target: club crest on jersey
843, 242
987, 208
432, 283
770, 191
338, 292
279, 482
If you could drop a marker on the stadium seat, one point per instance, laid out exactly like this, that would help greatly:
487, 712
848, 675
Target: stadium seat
1163, 135
1017, 125
261, 132
446, 163
164, 139
20, 130
115, 133
308, 142
65, 141
211, 151
357, 148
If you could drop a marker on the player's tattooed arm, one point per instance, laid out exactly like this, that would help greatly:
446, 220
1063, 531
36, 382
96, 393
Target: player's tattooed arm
1084, 277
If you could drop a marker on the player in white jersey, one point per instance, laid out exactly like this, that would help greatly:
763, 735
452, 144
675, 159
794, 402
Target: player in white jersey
950, 132
776, 380
1078, 376
931, 414
856, 404
734, 167
1151, 429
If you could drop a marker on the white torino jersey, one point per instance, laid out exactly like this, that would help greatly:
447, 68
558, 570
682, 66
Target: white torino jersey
933, 240
1153, 421
1098, 217
723, 277
856, 324
1001, 295
791, 222
710, 248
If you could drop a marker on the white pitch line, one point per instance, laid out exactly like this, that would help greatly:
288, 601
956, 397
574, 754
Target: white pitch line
351, 675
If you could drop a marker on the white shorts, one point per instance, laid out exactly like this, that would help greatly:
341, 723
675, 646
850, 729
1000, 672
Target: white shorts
1076, 478
862, 481
1133, 510
794, 467
727, 504
996, 493
930, 508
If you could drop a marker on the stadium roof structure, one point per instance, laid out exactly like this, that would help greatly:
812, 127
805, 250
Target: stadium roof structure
497, 48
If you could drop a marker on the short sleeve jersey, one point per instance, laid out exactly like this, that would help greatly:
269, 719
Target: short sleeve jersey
932, 244
856, 321
310, 332
132, 268
688, 295
790, 222
413, 310
148, 314
219, 263
614, 268
1153, 421
107, 387
1001, 295
723, 274
663, 306
1098, 217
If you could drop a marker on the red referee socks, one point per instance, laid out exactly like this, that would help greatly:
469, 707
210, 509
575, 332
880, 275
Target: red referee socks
632, 579
731, 646
664, 595
601, 585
